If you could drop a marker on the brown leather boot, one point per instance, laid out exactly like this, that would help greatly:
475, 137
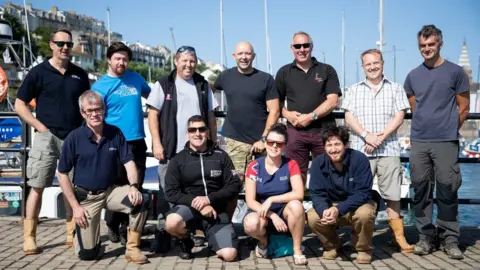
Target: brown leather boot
396, 226
29, 236
70, 231
133, 253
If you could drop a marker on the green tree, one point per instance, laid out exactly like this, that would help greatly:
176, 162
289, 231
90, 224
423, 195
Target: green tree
42, 34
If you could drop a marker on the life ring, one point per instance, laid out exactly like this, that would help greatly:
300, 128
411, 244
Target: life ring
3, 85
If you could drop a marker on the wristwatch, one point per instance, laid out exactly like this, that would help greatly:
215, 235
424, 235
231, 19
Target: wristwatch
136, 186
364, 134
264, 138
314, 115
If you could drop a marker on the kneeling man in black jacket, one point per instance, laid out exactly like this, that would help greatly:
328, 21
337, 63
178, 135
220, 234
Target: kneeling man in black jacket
200, 181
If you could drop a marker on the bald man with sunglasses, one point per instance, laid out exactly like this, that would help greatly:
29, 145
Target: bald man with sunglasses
55, 84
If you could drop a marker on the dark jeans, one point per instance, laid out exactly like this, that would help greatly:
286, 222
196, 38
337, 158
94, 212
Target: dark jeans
139, 151
430, 161
299, 146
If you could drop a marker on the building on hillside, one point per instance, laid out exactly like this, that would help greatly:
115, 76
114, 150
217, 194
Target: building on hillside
150, 56
83, 60
464, 61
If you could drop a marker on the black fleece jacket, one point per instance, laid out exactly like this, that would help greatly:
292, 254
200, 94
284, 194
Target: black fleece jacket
191, 174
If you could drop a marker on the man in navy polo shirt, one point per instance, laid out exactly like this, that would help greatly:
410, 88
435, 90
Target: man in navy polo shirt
94, 149
55, 84
340, 184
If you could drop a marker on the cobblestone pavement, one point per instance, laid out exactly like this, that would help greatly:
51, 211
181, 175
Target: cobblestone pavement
55, 255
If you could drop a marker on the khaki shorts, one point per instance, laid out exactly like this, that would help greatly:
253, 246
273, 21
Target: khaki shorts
42, 159
240, 154
389, 176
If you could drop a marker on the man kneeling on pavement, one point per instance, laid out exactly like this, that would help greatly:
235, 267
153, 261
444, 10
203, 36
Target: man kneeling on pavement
93, 150
200, 181
340, 185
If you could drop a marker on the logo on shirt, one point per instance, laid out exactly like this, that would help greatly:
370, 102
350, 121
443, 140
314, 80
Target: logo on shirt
112, 149
76, 77
318, 79
283, 178
215, 173
168, 97
350, 180
126, 90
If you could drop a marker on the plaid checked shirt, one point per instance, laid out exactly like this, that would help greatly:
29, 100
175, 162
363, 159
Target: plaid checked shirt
374, 111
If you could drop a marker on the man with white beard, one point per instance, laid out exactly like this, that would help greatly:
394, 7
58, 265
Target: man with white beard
122, 91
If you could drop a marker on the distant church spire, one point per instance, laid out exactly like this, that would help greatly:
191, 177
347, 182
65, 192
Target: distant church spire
464, 60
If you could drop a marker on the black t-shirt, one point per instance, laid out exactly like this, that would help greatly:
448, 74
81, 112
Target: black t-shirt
247, 96
304, 92
56, 96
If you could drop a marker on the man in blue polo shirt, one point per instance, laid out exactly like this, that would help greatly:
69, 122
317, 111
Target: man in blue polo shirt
55, 85
340, 184
122, 91
94, 150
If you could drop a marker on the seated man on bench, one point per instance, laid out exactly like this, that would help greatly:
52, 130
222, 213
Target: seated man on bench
93, 150
340, 185
200, 181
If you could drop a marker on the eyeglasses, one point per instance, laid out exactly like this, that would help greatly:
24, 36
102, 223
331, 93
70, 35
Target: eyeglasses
304, 45
278, 144
60, 44
89, 112
194, 130
185, 49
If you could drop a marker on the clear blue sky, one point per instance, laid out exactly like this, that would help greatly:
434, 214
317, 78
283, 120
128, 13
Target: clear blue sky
197, 23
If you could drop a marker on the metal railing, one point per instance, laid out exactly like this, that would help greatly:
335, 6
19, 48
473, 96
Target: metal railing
26, 145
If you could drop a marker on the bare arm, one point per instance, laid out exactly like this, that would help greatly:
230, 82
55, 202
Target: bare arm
353, 123
296, 193
212, 126
273, 106
22, 110
394, 124
132, 173
411, 100
327, 106
463, 102
154, 125
67, 189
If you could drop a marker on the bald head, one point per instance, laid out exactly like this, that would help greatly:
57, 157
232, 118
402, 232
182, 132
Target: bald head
244, 46
244, 56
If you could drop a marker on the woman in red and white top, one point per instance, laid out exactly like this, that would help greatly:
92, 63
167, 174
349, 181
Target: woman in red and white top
273, 192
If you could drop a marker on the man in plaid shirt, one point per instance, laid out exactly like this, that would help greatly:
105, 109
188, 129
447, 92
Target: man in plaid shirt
374, 110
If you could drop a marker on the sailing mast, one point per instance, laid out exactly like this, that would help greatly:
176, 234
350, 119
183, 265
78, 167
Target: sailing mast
222, 95
343, 51
267, 41
28, 32
380, 43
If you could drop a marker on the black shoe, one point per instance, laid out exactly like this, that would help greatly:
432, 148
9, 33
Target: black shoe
186, 246
162, 241
423, 247
452, 250
113, 235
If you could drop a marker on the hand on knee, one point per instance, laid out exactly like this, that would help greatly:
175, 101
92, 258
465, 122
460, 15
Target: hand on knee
227, 254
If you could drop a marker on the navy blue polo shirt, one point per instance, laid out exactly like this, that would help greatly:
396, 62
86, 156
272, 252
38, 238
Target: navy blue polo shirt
56, 96
95, 163
350, 188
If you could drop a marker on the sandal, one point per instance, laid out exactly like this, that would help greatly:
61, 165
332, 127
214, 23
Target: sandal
261, 253
300, 259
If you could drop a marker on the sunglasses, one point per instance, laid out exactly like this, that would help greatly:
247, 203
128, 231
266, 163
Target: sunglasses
185, 49
195, 129
278, 144
304, 45
60, 44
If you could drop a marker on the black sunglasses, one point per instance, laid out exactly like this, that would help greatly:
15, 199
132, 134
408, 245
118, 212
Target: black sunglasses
195, 129
186, 49
60, 44
304, 45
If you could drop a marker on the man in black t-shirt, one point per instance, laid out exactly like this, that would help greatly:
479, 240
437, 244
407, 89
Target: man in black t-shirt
253, 107
55, 84
311, 91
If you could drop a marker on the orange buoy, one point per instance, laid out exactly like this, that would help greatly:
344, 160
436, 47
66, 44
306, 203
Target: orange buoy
3, 84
